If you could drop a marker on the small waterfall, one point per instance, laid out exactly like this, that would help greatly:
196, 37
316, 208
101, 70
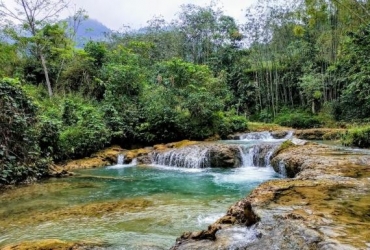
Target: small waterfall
120, 159
120, 163
254, 136
187, 157
282, 169
257, 155
289, 135
246, 155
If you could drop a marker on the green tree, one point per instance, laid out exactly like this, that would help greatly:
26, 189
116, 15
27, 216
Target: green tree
34, 15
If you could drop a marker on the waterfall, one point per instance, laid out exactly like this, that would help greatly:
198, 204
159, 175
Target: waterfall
289, 135
120, 159
246, 155
187, 157
254, 136
282, 169
257, 155
120, 163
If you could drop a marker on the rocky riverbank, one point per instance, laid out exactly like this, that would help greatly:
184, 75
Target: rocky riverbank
324, 205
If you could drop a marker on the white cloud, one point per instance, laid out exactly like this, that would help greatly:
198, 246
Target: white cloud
135, 13
116, 13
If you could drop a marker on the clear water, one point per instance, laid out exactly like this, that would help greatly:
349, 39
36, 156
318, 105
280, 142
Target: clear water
164, 202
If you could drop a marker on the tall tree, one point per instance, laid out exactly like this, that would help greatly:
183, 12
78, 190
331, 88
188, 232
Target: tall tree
33, 15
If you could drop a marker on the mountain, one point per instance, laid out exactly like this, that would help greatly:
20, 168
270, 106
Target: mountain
89, 29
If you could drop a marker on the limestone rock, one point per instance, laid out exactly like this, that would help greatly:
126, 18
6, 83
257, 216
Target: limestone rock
279, 134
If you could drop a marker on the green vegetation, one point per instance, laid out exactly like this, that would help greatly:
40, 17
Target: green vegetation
297, 119
300, 64
286, 144
357, 137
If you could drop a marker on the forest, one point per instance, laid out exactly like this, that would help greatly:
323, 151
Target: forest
300, 64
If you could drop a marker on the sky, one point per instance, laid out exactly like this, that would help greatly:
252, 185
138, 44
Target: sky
135, 13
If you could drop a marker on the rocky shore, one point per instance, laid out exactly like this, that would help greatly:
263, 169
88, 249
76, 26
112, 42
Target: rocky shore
325, 204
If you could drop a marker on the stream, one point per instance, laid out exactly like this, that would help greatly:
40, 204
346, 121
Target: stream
129, 206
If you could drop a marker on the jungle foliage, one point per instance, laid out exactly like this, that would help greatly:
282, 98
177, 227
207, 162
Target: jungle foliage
297, 63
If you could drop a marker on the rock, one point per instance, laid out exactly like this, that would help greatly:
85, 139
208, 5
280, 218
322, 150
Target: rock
102, 158
240, 213
279, 134
53, 244
209, 234
299, 142
318, 133
224, 156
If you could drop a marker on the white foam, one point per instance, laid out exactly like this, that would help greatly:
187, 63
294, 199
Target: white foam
187, 170
205, 220
247, 174
120, 166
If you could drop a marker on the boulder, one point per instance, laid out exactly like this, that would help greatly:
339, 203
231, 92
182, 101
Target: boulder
224, 156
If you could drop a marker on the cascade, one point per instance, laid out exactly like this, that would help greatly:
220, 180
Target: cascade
257, 155
120, 163
254, 136
120, 159
187, 157
282, 169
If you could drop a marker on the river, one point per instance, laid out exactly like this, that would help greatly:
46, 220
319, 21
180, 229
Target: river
126, 206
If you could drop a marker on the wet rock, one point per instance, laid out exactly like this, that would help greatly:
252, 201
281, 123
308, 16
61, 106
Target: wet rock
279, 134
209, 234
226, 156
240, 213
102, 158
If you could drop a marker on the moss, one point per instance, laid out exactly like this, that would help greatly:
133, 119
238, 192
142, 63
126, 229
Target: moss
285, 145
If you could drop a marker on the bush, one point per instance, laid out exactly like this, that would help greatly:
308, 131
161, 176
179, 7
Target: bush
297, 120
358, 137
20, 156
87, 133
230, 123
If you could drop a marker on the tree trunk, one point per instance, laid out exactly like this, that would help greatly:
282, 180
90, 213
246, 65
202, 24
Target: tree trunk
44, 67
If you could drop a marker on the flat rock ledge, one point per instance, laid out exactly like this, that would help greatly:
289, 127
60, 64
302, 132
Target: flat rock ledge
324, 205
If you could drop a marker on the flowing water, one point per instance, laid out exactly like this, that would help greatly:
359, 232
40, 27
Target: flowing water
128, 206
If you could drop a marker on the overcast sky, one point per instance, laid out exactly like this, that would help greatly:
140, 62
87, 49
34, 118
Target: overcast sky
135, 13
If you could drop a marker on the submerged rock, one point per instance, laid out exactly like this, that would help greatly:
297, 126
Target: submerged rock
325, 205
53, 244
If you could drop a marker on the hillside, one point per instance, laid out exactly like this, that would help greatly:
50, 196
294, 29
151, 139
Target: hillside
90, 29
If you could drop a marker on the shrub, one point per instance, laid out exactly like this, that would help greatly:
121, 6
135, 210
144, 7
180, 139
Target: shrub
20, 156
297, 120
88, 134
230, 123
358, 137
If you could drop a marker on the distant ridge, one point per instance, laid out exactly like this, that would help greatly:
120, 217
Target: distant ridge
89, 30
